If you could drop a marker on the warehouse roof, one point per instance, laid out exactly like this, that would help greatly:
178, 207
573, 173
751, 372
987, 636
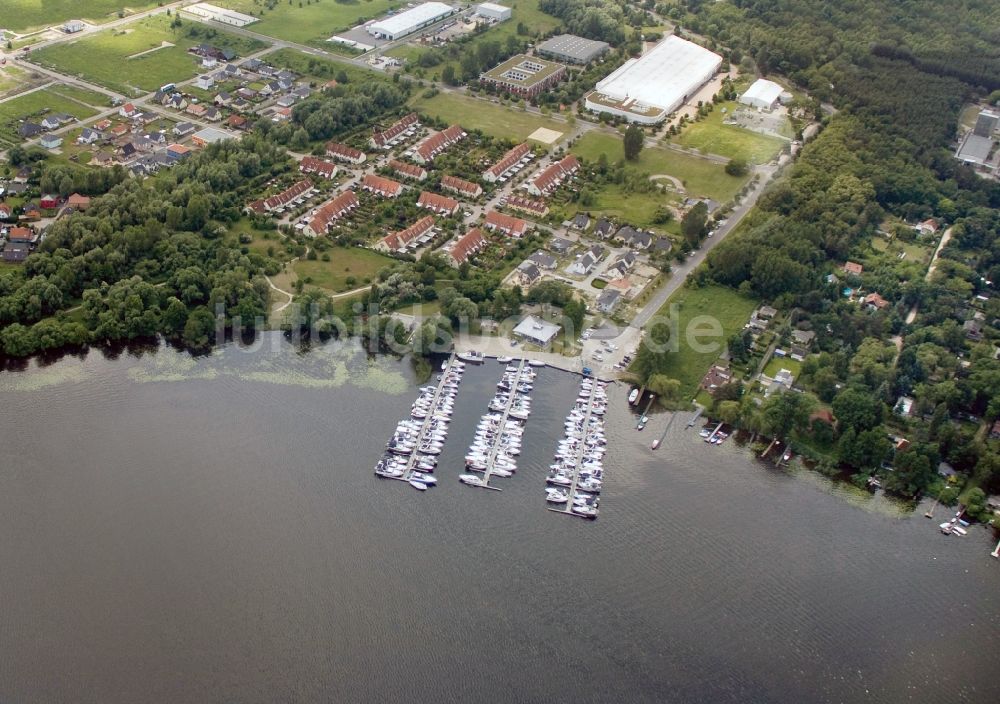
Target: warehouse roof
414, 17
664, 75
764, 90
583, 50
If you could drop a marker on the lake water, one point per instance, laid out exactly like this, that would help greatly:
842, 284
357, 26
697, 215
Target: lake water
210, 530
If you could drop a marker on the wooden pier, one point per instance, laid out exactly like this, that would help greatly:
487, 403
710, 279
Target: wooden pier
663, 436
411, 459
696, 416
495, 450
579, 459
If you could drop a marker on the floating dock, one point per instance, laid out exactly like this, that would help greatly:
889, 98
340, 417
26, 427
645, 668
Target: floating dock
578, 460
491, 460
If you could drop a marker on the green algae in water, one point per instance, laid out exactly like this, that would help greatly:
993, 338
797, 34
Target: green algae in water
43, 378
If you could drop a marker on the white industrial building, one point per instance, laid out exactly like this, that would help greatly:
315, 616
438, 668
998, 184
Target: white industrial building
647, 89
222, 15
763, 94
408, 22
492, 11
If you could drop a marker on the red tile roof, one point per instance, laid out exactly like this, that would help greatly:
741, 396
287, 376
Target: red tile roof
438, 142
508, 160
343, 151
553, 176
454, 183
331, 211
312, 165
437, 203
382, 186
399, 240
506, 224
470, 243
409, 170
380, 139
528, 205
287, 196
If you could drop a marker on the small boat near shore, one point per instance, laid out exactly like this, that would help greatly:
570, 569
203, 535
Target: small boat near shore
505, 359
633, 397
472, 356
536, 363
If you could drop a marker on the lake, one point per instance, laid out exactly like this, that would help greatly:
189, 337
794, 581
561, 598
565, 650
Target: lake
210, 530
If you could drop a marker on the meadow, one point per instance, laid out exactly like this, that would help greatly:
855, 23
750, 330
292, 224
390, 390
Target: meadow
490, 118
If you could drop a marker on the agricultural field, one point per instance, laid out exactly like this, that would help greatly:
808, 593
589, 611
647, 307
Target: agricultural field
710, 135
309, 24
141, 57
36, 105
82, 95
347, 269
723, 304
700, 177
491, 118
22, 15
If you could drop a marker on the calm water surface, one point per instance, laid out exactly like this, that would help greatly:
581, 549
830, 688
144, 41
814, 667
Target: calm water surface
179, 530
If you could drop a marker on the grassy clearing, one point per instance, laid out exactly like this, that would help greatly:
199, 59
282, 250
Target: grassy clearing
776, 364
35, 106
711, 136
89, 97
345, 263
104, 58
310, 23
22, 15
491, 118
700, 176
305, 64
724, 305
637, 209
10, 77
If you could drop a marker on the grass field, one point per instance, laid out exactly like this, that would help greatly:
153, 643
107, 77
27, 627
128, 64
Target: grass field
10, 77
104, 58
700, 176
491, 118
344, 262
711, 136
776, 364
724, 305
90, 97
36, 105
309, 23
295, 60
21, 15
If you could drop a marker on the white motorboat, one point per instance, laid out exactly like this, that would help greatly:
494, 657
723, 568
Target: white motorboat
428, 479
472, 356
536, 363
505, 359
554, 496
419, 486
634, 396
471, 480
585, 511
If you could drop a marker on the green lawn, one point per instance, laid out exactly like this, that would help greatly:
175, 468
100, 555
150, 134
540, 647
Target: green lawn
711, 136
724, 305
313, 23
21, 15
109, 58
89, 97
344, 262
700, 177
35, 106
636, 209
313, 66
10, 77
776, 364
491, 118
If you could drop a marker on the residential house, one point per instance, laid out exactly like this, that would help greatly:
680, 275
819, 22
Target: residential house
30, 212
461, 186
49, 201
51, 141
803, 337
636, 239
798, 353
514, 159
14, 252
536, 331
608, 300
420, 232
286, 101
466, 246
293, 195
78, 202
320, 167
396, 133
223, 99
585, 263
405, 170
212, 114
904, 406
329, 213
603, 229
506, 224
182, 129
237, 122
342, 152
22, 235
177, 102
581, 222
782, 381
196, 109
927, 227
560, 245
527, 273
623, 285
973, 330
852, 268
128, 111
436, 143
381, 186
102, 125
5, 211
51, 122
543, 260
27, 130
874, 301
718, 375
661, 245
88, 136
622, 265
443, 205
178, 151
553, 176
532, 206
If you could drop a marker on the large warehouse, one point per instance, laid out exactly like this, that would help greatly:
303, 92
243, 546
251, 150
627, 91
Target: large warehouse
408, 22
763, 94
572, 49
647, 89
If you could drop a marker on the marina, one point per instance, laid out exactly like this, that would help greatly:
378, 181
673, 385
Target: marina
411, 454
578, 473
497, 441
